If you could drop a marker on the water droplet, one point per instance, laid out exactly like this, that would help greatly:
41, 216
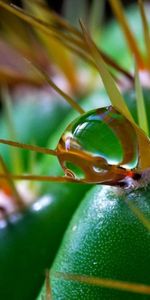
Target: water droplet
103, 135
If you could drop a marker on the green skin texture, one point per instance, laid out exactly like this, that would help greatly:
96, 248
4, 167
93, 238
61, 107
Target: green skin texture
104, 239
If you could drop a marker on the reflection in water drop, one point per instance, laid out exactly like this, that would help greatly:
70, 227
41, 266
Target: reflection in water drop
74, 171
99, 170
69, 173
103, 135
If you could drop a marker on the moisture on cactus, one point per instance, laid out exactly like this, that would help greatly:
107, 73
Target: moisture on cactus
98, 134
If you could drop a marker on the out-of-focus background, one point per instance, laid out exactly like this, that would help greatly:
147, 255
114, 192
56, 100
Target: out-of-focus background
59, 4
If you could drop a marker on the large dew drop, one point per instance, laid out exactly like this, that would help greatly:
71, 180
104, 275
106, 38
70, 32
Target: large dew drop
97, 141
